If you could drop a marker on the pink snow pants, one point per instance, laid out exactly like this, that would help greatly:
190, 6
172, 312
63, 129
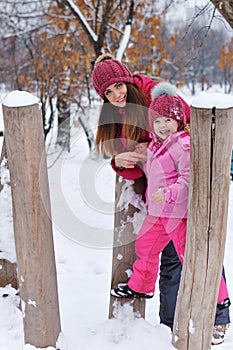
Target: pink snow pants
153, 237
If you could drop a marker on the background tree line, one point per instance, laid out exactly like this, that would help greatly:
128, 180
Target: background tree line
48, 47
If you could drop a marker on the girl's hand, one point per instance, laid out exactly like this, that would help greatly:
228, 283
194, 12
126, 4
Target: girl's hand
141, 149
158, 197
128, 159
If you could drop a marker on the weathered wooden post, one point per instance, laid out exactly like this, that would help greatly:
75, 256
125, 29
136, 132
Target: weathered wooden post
8, 273
211, 146
124, 238
32, 219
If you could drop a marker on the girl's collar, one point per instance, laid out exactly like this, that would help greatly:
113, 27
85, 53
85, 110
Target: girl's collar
156, 142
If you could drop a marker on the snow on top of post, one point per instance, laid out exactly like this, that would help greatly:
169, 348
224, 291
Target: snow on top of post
210, 100
18, 98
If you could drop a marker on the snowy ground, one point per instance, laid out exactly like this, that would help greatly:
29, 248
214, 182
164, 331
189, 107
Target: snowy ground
84, 267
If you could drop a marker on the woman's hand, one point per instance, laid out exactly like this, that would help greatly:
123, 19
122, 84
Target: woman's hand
128, 159
158, 197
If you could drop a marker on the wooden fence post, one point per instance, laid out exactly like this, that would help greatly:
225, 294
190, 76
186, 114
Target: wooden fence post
124, 242
211, 146
32, 219
8, 273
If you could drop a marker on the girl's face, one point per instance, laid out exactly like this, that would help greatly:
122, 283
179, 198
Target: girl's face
163, 127
117, 94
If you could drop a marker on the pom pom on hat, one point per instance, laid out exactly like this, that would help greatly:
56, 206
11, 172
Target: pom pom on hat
103, 57
166, 103
109, 71
163, 88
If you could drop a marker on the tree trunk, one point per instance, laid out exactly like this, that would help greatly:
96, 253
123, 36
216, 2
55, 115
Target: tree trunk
32, 224
3, 155
63, 135
211, 147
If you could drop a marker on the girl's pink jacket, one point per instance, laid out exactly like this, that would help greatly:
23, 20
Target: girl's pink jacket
146, 85
167, 169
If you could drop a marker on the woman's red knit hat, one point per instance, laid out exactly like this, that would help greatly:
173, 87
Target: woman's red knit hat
166, 103
109, 71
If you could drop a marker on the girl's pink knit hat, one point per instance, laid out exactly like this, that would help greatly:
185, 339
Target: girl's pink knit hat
109, 71
166, 103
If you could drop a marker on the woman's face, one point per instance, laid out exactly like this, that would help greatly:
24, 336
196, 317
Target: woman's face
164, 127
117, 94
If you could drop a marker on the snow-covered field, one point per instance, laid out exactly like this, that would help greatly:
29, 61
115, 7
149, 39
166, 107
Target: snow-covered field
82, 190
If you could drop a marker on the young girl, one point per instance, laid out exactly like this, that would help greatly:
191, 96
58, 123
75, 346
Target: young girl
167, 169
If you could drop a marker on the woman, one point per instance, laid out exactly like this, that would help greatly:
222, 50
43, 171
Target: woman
122, 129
